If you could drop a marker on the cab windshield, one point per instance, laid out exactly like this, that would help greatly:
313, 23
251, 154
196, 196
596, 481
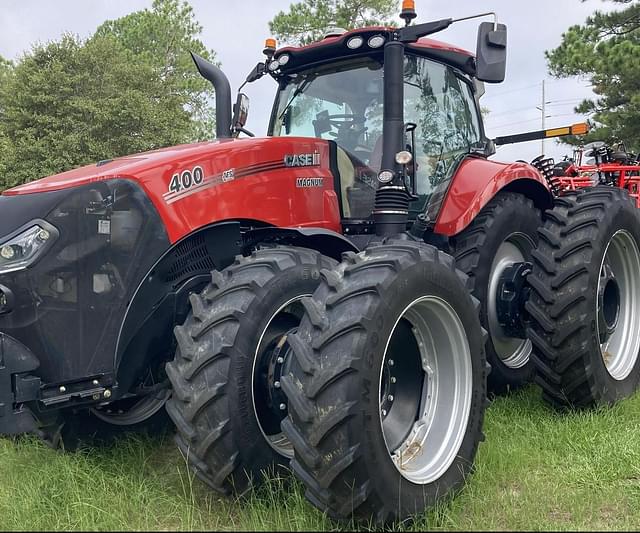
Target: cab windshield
343, 102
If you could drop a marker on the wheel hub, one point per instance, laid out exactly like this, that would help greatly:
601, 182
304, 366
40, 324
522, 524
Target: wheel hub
513, 349
269, 401
513, 292
608, 303
277, 359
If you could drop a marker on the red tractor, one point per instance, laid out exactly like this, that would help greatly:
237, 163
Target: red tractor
321, 298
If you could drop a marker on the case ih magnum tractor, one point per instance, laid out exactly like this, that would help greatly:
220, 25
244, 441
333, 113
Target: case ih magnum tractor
297, 295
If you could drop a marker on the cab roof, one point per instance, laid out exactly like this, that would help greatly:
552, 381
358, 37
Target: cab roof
335, 46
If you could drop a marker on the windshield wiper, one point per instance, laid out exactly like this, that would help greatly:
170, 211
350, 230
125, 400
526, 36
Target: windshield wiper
299, 90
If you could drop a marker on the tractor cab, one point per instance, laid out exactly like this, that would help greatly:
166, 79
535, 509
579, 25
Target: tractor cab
334, 90
400, 111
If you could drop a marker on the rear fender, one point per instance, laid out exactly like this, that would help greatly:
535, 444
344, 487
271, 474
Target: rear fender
477, 181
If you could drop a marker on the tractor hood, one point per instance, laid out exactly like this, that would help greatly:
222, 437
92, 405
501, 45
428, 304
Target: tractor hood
129, 166
194, 185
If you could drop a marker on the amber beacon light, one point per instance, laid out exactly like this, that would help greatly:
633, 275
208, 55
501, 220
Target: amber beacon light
408, 11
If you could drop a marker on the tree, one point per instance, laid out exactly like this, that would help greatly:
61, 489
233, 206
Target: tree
130, 87
6, 70
606, 49
307, 21
162, 38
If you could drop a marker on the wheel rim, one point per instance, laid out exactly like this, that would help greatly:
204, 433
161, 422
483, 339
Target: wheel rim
130, 411
424, 423
512, 351
269, 358
618, 305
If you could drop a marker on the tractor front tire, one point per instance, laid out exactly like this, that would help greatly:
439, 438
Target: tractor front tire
504, 232
386, 384
226, 403
585, 299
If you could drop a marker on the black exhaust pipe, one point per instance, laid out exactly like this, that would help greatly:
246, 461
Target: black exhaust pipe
223, 94
391, 210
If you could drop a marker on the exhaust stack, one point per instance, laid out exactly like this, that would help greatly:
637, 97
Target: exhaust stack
223, 94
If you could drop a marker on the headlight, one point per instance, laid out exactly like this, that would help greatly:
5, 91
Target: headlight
376, 41
23, 249
355, 42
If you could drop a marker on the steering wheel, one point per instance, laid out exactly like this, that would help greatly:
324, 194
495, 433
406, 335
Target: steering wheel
338, 121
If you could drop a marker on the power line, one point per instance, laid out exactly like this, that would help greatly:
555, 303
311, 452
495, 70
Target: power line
531, 107
489, 126
523, 88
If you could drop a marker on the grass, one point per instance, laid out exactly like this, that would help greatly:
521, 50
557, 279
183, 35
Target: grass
537, 470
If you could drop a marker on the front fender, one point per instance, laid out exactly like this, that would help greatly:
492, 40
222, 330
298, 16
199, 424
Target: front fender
325, 241
477, 181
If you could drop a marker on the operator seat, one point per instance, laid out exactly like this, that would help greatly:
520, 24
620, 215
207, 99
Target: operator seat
347, 172
355, 196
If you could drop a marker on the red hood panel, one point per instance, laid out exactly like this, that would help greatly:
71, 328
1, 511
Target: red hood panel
281, 181
123, 167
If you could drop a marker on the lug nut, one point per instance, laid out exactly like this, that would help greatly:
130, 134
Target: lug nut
390, 397
384, 412
393, 379
107, 393
282, 407
391, 363
277, 384
280, 360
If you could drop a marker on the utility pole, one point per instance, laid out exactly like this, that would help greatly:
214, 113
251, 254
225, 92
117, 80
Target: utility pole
543, 110
544, 113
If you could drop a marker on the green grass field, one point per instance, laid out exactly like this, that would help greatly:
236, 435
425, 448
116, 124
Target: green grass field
536, 470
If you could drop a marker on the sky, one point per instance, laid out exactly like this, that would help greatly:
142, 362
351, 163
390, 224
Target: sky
236, 31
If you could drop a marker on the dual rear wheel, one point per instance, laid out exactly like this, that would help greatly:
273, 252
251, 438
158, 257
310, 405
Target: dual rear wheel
368, 377
585, 299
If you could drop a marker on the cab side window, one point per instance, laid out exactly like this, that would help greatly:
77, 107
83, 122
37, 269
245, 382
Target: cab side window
443, 107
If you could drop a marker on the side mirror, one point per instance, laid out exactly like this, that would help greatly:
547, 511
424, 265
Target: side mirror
491, 54
240, 112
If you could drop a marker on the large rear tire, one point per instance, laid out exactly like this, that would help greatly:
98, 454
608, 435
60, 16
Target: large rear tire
388, 362
226, 403
504, 232
585, 299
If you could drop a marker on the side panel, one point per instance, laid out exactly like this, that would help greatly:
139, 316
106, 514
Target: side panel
283, 181
476, 182
249, 180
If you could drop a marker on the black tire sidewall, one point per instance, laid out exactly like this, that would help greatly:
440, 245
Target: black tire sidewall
616, 219
287, 285
410, 284
514, 217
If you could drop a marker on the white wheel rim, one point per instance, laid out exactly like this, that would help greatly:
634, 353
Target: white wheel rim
440, 424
